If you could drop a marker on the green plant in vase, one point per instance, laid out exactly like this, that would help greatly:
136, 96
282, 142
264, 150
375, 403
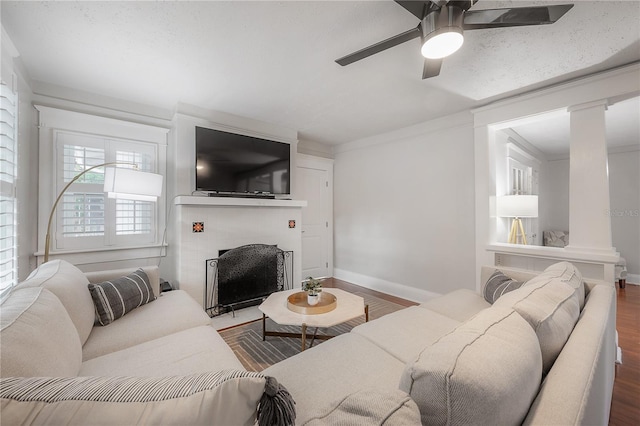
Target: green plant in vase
313, 287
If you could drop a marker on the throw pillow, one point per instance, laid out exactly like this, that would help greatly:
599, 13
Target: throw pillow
552, 308
485, 372
68, 284
567, 273
497, 285
114, 299
227, 397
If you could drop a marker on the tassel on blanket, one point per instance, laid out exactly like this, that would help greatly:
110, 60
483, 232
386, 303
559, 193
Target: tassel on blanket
277, 407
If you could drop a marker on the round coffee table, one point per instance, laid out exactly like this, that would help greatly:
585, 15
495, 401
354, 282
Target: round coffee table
348, 307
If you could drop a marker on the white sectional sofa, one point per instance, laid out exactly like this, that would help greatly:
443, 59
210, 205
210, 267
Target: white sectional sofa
542, 354
161, 363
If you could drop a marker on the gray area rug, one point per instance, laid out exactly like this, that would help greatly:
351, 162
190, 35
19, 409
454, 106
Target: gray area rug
256, 355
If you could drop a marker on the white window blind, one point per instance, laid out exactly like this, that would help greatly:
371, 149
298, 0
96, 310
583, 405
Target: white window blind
134, 217
87, 218
8, 204
83, 208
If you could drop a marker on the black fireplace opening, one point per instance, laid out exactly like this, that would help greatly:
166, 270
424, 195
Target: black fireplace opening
244, 276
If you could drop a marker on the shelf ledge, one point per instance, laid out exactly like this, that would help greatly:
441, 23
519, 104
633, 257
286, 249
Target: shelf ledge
192, 200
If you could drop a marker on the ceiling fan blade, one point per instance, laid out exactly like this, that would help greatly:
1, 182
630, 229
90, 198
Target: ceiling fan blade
514, 17
431, 68
416, 8
379, 47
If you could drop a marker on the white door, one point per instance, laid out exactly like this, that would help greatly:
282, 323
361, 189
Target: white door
314, 186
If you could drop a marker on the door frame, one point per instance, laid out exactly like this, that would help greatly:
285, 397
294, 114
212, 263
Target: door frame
326, 164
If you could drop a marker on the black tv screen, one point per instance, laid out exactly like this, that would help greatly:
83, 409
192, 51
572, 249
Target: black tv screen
237, 164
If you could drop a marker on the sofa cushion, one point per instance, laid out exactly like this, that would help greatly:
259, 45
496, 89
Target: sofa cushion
333, 376
551, 307
195, 350
225, 398
565, 272
406, 332
37, 336
173, 311
497, 285
69, 285
459, 305
487, 371
116, 298
370, 407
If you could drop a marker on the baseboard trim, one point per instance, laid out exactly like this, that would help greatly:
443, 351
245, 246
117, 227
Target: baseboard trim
383, 286
633, 279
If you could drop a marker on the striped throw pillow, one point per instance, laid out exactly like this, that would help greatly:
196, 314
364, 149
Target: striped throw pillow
497, 285
114, 299
228, 397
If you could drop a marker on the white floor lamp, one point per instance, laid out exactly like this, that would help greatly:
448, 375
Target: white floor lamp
517, 207
121, 183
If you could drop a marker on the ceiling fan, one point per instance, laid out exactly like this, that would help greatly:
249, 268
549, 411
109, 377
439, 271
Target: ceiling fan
442, 22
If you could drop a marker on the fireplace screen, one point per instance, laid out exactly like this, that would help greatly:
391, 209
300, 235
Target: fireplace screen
245, 275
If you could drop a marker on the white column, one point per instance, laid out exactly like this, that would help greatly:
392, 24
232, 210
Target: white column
589, 220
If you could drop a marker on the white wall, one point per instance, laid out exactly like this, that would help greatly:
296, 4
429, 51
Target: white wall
624, 190
404, 209
554, 195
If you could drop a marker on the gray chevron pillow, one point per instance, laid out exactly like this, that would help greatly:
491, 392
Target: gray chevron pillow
497, 285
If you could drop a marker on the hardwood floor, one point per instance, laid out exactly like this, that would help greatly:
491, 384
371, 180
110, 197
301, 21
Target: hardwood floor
626, 391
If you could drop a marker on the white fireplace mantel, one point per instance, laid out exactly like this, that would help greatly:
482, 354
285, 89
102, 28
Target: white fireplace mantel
203, 226
236, 202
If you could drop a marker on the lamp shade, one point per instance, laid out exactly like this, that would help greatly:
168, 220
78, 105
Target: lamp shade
132, 184
517, 206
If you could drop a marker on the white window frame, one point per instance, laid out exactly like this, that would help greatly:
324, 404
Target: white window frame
110, 148
8, 188
54, 125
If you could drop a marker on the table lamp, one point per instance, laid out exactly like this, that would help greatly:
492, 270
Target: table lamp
517, 207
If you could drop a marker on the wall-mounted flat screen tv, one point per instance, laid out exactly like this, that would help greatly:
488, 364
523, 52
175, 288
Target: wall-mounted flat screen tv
228, 163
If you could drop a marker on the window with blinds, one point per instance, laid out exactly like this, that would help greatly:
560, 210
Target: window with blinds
8, 202
134, 217
86, 218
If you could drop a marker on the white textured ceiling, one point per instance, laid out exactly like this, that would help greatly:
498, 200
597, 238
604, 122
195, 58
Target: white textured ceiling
274, 61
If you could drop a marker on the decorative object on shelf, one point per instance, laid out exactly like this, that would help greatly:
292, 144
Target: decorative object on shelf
120, 183
517, 207
313, 287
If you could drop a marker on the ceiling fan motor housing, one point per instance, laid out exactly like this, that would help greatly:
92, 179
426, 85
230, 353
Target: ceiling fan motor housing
445, 19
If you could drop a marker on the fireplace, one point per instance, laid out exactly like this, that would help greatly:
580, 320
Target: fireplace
245, 275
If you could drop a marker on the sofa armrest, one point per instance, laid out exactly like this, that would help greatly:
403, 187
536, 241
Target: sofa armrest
224, 397
579, 387
106, 275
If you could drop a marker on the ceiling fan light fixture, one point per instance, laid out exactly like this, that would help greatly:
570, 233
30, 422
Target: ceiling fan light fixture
442, 43
442, 32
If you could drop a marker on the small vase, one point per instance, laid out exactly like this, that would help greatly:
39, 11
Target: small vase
313, 299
